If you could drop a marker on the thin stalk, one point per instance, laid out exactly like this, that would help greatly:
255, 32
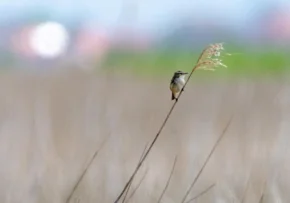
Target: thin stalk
206, 161
85, 170
202, 193
168, 181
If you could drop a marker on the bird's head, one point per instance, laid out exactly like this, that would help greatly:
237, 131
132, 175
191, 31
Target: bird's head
180, 74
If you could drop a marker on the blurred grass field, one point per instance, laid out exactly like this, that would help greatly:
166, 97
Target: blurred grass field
260, 62
52, 124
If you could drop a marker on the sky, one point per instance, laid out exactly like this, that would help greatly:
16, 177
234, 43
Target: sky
142, 14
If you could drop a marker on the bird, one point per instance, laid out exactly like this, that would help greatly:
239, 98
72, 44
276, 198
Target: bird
176, 84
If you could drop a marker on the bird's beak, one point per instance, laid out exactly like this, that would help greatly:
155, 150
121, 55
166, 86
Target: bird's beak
185, 73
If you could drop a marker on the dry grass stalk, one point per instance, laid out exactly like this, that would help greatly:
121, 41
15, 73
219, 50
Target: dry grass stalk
202, 193
138, 185
208, 60
85, 170
206, 161
168, 181
124, 199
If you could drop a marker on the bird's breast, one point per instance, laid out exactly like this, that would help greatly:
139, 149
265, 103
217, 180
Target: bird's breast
180, 81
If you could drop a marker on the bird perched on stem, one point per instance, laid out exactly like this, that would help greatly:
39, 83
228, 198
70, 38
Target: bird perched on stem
177, 83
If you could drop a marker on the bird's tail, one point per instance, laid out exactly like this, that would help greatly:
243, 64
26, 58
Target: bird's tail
172, 96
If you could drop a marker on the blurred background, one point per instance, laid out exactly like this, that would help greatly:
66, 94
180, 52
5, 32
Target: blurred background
144, 36
75, 73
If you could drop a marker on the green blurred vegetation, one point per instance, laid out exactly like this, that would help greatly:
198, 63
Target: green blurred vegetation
263, 61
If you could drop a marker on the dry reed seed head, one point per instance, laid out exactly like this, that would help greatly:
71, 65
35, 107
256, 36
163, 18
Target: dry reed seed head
207, 65
213, 50
210, 58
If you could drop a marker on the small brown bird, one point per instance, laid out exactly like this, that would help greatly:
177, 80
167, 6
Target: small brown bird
177, 83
